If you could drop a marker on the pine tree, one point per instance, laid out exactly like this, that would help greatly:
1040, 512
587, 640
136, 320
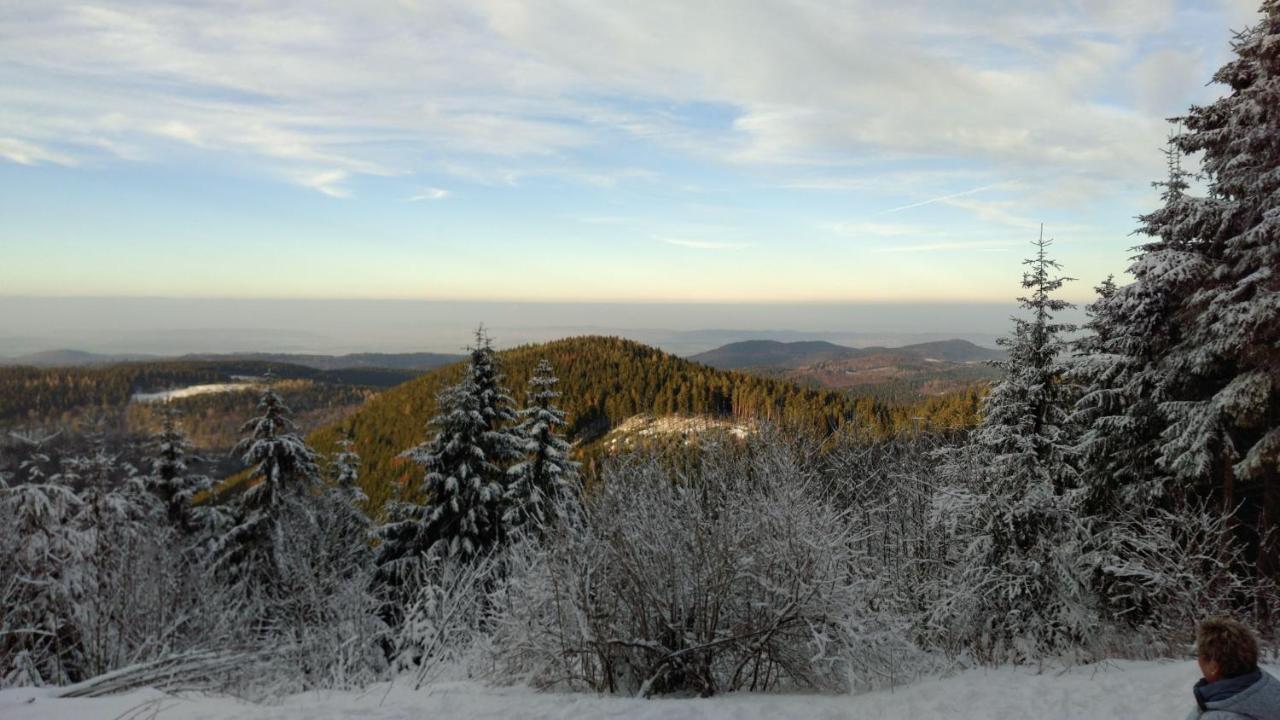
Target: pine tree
1017, 592
464, 485
546, 476
345, 526
169, 480
282, 470
1120, 368
346, 475
1024, 426
1224, 400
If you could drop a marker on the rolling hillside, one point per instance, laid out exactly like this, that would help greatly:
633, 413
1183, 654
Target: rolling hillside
770, 353
604, 382
355, 361
902, 374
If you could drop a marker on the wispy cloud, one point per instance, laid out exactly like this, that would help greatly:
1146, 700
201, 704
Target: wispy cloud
431, 193
327, 182
994, 212
945, 198
377, 88
26, 153
701, 244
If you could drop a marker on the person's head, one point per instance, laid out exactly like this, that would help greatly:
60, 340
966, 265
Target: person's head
1225, 649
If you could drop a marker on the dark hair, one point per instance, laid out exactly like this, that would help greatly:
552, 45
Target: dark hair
1228, 643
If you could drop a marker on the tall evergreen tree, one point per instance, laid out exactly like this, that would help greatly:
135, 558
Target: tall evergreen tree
346, 474
1224, 403
1120, 365
460, 501
1017, 588
1024, 426
169, 481
282, 470
345, 526
547, 475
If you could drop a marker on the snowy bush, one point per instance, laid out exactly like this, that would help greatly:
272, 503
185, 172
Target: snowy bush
1160, 572
446, 615
735, 574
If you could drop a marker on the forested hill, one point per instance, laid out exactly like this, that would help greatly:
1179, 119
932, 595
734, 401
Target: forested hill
53, 395
770, 353
604, 381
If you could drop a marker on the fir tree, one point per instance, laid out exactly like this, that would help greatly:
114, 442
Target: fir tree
1120, 363
282, 470
1024, 426
546, 476
345, 526
464, 485
1224, 403
169, 480
1017, 591
346, 474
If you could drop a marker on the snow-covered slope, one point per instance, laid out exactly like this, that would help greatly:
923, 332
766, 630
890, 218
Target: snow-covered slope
1129, 690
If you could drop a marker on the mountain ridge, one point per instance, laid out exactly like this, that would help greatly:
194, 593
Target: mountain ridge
798, 354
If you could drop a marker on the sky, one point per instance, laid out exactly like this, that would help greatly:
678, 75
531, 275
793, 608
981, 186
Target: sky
593, 152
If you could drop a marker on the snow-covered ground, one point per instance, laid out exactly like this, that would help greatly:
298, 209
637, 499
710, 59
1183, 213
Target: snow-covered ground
191, 391
649, 426
1128, 690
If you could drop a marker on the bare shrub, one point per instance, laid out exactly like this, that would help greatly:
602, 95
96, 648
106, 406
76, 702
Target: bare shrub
735, 572
1160, 573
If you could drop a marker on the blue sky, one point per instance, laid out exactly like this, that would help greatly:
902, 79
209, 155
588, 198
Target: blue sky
567, 151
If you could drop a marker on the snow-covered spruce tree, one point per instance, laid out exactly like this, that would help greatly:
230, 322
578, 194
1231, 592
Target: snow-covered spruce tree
1224, 405
169, 480
1119, 365
282, 471
345, 525
546, 477
1017, 591
459, 504
1127, 497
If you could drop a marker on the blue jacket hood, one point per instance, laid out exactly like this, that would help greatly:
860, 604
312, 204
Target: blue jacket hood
1258, 701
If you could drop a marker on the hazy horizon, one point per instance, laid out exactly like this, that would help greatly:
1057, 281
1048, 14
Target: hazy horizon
168, 326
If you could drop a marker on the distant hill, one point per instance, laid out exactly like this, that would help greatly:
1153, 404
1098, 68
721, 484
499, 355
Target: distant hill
71, 358
604, 381
898, 374
771, 353
956, 351
389, 361
392, 361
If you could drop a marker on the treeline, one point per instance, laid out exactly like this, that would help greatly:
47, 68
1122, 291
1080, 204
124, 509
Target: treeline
605, 380
212, 421
66, 395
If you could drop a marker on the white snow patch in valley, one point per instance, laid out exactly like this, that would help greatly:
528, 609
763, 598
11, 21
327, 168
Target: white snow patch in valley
651, 426
1150, 690
191, 391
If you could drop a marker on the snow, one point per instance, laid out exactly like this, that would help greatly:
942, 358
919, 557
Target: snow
191, 391
648, 426
1120, 689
